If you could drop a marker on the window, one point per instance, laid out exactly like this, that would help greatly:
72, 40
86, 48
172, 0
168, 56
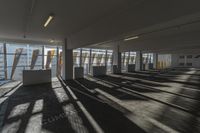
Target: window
189, 56
86, 60
2, 74
76, 57
109, 60
181, 64
125, 60
147, 58
132, 58
165, 61
92, 57
189, 64
21, 57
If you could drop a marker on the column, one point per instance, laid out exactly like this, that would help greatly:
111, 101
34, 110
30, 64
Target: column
57, 60
43, 57
81, 62
5, 61
106, 58
138, 61
67, 62
155, 60
90, 61
116, 60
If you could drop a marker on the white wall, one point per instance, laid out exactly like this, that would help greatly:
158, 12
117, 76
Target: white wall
177, 60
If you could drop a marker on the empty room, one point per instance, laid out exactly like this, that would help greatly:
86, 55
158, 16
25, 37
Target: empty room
99, 66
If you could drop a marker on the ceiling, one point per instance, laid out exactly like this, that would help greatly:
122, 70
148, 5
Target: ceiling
19, 17
161, 25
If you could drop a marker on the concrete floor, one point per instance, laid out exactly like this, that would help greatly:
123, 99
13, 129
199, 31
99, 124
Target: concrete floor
145, 101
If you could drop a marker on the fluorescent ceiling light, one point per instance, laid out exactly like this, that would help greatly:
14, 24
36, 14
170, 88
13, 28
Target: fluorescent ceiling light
131, 38
51, 41
48, 20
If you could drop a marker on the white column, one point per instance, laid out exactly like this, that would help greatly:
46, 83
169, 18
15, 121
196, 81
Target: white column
155, 60
67, 72
138, 61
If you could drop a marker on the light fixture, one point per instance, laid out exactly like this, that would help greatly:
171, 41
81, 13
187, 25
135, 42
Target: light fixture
131, 38
51, 16
52, 41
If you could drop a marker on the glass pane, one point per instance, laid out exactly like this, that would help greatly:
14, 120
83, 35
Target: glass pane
2, 74
50, 59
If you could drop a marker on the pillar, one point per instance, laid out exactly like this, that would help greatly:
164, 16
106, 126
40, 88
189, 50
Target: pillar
5, 61
43, 57
67, 73
106, 58
155, 60
81, 62
116, 59
57, 61
138, 61
90, 60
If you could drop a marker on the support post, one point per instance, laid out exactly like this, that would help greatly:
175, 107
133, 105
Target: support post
138, 65
106, 59
67, 73
90, 60
116, 60
5, 61
81, 62
155, 60
57, 61
43, 57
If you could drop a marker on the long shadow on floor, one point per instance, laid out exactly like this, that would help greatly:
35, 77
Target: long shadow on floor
125, 82
189, 104
129, 81
175, 119
159, 79
38, 108
111, 119
178, 120
114, 90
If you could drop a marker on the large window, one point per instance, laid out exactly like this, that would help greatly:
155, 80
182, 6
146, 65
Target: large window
50, 59
109, 60
2, 73
132, 58
98, 57
87, 58
14, 58
147, 58
124, 60
164, 61
76, 57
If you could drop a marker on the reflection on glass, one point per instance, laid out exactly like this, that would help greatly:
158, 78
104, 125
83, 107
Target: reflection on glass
21, 57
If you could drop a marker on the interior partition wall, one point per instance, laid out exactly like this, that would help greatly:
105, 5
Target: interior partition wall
14, 58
